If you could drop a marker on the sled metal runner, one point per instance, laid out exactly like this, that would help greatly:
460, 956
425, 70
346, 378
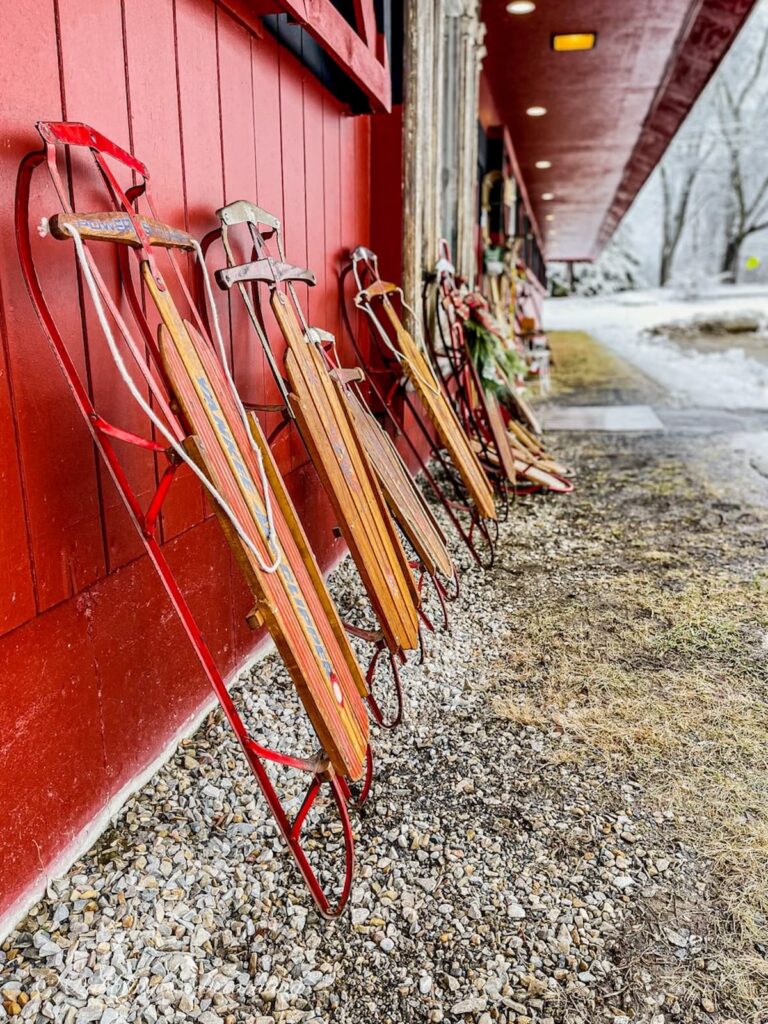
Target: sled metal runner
464, 490
313, 400
196, 418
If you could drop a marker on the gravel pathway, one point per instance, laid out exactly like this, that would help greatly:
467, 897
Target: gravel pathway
495, 881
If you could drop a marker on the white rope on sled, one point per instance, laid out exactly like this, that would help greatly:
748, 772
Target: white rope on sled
158, 423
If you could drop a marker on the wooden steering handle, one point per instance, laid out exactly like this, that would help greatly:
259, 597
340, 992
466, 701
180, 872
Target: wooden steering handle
117, 227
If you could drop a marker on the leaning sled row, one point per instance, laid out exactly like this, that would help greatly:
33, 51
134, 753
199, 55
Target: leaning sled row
171, 354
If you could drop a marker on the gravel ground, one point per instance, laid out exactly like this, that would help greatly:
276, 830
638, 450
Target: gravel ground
496, 881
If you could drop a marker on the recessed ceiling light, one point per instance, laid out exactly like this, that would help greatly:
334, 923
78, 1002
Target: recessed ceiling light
536, 111
546, 196
571, 41
521, 7
543, 165
550, 217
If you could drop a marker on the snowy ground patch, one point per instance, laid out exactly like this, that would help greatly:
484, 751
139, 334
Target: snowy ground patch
727, 379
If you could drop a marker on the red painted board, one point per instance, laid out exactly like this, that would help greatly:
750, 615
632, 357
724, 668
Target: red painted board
196, 62
265, 76
52, 758
387, 192
156, 139
354, 190
294, 188
332, 114
314, 193
17, 597
94, 86
239, 170
55, 451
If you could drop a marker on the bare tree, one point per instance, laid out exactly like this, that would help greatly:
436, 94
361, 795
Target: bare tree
678, 174
741, 96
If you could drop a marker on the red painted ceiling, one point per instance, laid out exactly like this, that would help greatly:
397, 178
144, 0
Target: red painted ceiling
611, 111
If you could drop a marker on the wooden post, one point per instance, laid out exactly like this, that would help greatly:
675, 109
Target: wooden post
472, 52
417, 104
442, 39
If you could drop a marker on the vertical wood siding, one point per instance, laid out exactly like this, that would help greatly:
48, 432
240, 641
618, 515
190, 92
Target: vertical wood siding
98, 673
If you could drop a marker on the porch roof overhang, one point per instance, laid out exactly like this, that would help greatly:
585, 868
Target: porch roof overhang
611, 111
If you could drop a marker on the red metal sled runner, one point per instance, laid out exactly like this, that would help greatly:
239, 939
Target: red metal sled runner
196, 412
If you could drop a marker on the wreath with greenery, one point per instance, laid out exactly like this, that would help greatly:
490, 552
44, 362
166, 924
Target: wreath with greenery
497, 365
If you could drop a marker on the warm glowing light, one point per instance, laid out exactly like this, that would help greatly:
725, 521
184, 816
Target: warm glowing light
521, 7
543, 165
536, 111
550, 217
546, 196
571, 41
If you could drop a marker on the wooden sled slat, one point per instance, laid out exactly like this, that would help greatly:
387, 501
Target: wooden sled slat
400, 491
344, 470
527, 467
442, 416
524, 410
500, 436
317, 656
527, 441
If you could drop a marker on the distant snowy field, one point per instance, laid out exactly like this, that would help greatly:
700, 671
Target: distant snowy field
730, 379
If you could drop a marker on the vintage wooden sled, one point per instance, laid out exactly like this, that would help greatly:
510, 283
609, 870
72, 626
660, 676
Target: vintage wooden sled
464, 490
478, 410
195, 417
503, 283
524, 441
536, 473
501, 442
404, 500
313, 400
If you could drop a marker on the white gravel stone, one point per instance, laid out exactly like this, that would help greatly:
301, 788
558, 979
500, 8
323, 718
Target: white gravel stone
489, 886
623, 881
473, 1004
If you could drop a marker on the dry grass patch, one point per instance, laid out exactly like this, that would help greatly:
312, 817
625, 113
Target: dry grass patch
668, 681
582, 364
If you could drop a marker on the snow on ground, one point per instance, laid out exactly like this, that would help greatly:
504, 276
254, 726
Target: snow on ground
688, 375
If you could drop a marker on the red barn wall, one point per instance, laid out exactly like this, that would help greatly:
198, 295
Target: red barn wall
98, 676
